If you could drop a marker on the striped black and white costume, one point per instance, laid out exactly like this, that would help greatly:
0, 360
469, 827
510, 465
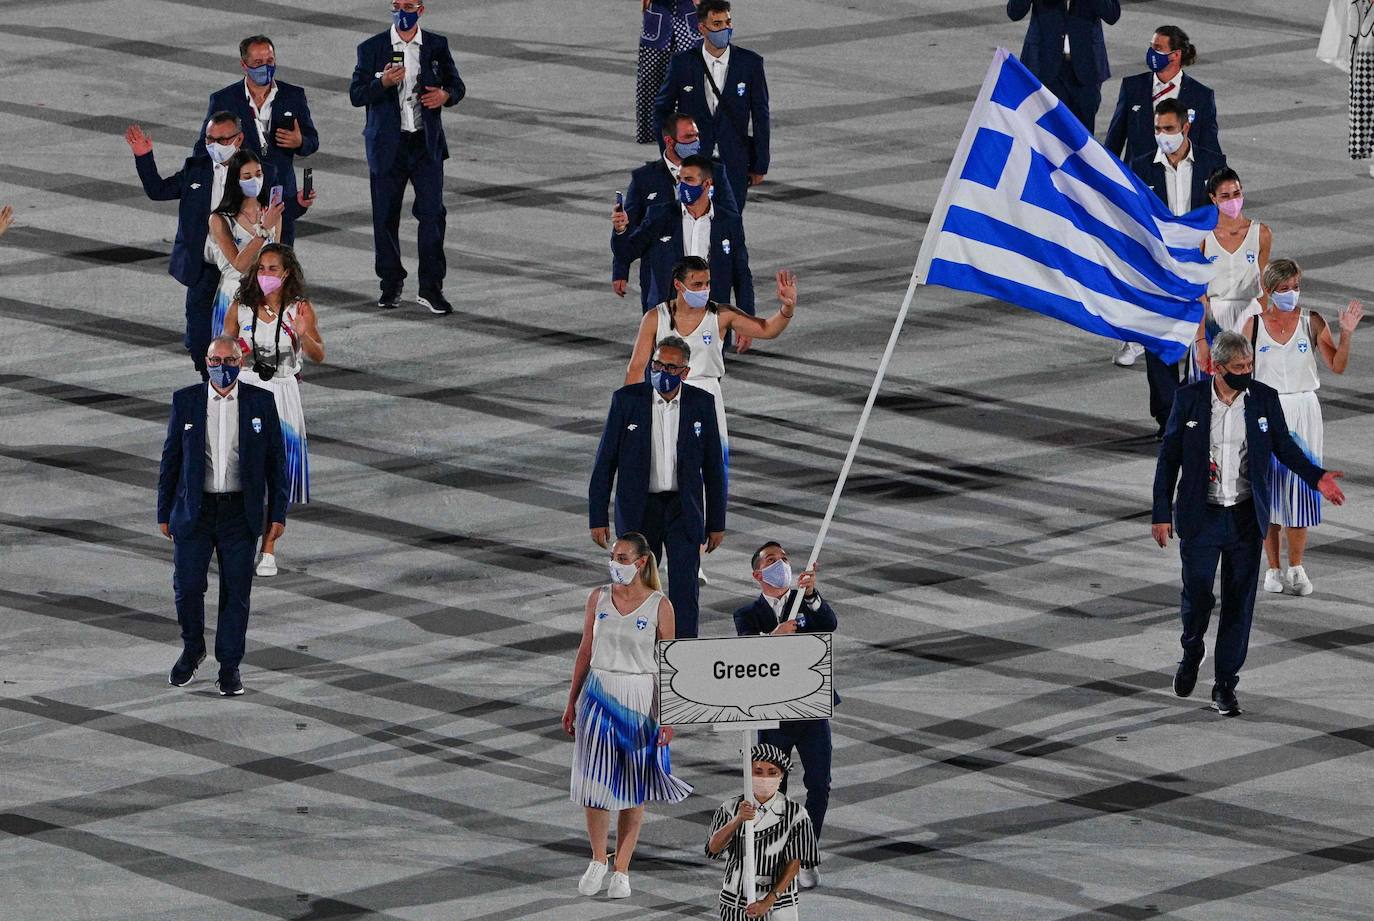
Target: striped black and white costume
782, 833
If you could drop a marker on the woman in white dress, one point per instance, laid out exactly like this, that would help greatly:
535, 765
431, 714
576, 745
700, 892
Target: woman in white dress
276, 327
239, 228
1241, 247
620, 752
1287, 341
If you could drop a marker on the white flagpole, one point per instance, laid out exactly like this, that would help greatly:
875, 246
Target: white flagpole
749, 882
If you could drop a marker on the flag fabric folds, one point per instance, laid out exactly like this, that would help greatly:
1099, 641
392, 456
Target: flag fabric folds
1035, 212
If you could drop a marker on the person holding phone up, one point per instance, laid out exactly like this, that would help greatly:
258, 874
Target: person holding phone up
276, 118
405, 77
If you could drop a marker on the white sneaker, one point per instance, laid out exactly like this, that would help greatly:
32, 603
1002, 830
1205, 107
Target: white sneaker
1273, 581
267, 566
619, 887
590, 884
808, 878
1298, 581
1127, 354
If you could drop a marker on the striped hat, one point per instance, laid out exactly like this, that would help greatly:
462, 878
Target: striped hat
772, 754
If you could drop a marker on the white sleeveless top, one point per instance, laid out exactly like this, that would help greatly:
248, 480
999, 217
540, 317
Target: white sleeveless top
1238, 276
1289, 367
625, 642
708, 352
242, 235
261, 335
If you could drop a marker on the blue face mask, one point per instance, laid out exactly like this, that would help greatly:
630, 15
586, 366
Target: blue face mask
263, 74
1287, 301
251, 187
223, 376
696, 299
1156, 60
404, 21
720, 38
778, 575
687, 150
688, 194
664, 382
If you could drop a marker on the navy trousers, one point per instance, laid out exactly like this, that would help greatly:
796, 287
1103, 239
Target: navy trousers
200, 310
1083, 99
664, 529
1232, 538
221, 530
413, 165
1163, 385
811, 738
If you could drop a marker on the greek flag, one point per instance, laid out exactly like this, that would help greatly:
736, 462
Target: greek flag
1036, 212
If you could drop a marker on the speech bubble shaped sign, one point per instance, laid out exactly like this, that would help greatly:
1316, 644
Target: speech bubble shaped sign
733, 679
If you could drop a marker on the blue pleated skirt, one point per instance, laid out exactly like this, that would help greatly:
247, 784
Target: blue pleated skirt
617, 761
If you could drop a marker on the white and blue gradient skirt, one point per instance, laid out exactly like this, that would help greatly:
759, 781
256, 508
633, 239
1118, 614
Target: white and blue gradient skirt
617, 761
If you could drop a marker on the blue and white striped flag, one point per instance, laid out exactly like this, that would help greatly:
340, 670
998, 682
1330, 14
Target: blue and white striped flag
1036, 212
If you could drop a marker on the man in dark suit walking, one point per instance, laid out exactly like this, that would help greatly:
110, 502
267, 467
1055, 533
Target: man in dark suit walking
405, 77
656, 183
1222, 436
198, 187
661, 452
1131, 132
770, 615
275, 116
1177, 171
223, 465
723, 88
690, 225
1065, 49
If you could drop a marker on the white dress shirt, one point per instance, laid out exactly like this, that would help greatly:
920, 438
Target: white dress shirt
716, 67
410, 103
663, 476
222, 441
1178, 181
696, 233
1161, 90
673, 168
1228, 482
263, 116
217, 194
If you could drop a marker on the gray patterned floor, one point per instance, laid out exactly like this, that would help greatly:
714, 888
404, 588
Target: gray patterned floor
1007, 748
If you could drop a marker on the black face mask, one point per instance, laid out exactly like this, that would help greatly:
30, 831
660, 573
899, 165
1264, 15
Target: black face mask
1237, 381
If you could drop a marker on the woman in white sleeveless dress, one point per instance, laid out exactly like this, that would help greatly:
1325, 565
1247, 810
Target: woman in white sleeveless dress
1287, 341
276, 335
239, 228
620, 753
1241, 247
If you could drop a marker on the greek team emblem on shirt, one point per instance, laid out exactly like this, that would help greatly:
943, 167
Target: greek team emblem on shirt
725, 246
705, 338
739, 89
696, 427
1250, 256
641, 622
1263, 423
257, 426
1302, 345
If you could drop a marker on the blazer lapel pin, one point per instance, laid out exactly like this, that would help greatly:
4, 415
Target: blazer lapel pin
1263, 423
665, 239
686, 89
696, 427
188, 427
1135, 108
652, 195
257, 425
739, 89
725, 246
632, 426
195, 185
1192, 423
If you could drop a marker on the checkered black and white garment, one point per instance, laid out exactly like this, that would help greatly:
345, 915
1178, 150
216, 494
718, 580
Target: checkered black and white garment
1360, 26
653, 67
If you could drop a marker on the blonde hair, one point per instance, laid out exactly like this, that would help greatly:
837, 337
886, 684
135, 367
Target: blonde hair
649, 574
1277, 272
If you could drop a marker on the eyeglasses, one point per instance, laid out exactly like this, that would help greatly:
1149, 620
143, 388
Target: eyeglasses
224, 140
214, 361
669, 369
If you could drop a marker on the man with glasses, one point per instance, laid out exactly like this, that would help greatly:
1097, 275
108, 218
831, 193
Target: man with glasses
661, 451
404, 77
198, 186
223, 479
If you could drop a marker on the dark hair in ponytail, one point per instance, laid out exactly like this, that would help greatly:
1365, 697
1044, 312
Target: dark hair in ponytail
1223, 175
1178, 41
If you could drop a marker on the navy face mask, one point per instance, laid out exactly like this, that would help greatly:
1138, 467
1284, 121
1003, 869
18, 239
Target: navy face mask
403, 20
664, 382
223, 376
688, 194
262, 75
1156, 60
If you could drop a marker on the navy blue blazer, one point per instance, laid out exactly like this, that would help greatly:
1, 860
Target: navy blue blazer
739, 131
382, 131
1187, 449
1132, 131
1205, 163
653, 184
758, 618
625, 457
192, 186
262, 460
1043, 50
658, 242
288, 106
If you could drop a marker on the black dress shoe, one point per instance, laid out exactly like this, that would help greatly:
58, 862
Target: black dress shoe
229, 684
390, 299
1185, 679
1224, 699
184, 669
434, 300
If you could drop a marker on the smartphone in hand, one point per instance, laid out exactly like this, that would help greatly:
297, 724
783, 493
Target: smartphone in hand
275, 198
309, 182
398, 57
620, 201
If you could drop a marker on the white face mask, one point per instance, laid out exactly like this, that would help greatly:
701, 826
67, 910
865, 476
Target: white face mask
778, 575
220, 153
765, 787
1169, 143
251, 187
623, 573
